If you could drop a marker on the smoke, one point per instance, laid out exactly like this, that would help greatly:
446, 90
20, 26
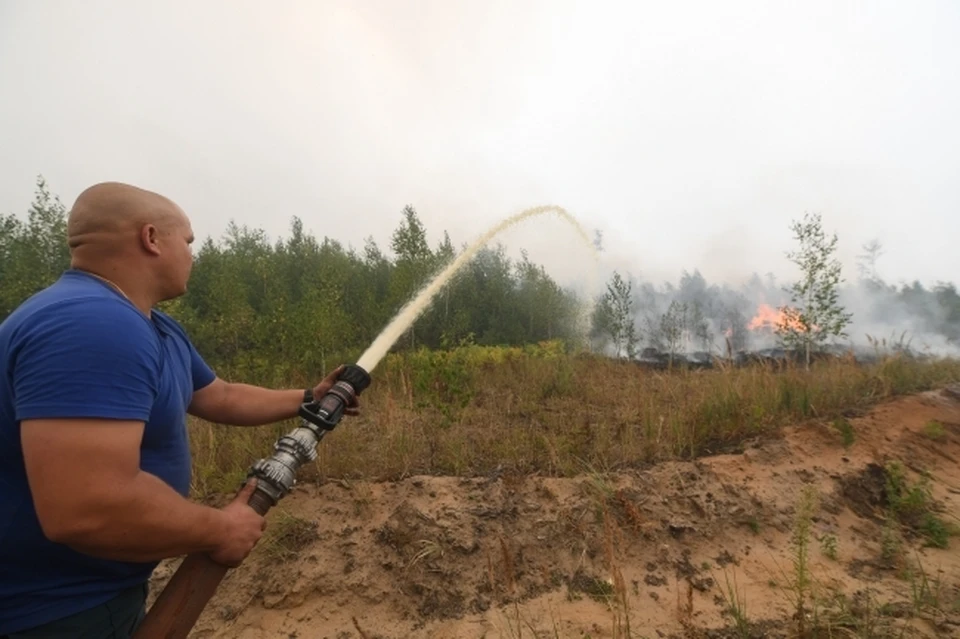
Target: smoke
920, 319
693, 315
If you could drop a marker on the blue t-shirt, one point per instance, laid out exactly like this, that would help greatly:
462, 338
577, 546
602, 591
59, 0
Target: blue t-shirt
80, 349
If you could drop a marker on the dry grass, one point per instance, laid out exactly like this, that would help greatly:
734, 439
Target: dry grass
473, 411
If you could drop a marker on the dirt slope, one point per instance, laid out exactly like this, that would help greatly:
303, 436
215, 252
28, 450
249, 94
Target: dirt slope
657, 549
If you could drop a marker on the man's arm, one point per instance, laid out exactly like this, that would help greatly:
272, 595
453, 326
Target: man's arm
246, 405
238, 404
91, 495
85, 378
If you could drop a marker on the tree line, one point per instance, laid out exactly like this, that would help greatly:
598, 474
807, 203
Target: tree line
259, 307
253, 305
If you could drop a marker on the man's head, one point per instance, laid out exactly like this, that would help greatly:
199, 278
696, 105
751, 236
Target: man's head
128, 234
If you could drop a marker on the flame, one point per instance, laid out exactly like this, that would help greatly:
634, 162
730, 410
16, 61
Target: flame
771, 318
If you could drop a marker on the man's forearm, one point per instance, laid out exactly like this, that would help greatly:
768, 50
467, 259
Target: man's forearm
246, 405
144, 520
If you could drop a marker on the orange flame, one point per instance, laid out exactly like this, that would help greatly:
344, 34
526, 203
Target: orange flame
771, 318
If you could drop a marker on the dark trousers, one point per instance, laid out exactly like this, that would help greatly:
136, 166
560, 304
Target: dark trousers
118, 618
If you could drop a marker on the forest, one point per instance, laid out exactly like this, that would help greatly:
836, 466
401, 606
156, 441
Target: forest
262, 309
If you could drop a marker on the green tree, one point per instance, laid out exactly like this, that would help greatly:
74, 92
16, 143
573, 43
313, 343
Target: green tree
816, 314
673, 325
34, 252
414, 261
268, 310
614, 317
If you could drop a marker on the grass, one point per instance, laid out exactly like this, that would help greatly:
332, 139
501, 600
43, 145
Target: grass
845, 429
475, 411
286, 535
935, 431
801, 585
823, 607
913, 506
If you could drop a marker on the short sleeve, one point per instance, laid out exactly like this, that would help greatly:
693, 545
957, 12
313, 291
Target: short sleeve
95, 359
203, 375
201, 372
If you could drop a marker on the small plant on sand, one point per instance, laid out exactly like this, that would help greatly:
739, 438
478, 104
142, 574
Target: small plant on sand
735, 605
934, 430
891, 543
914, 507
428, 549
925, 591
799, 586
845, 428
619, 603
828, 546
286, 535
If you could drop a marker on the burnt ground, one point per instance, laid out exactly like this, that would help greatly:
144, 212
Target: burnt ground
681, 549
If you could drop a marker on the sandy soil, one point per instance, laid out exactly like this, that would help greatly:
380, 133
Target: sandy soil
650, 550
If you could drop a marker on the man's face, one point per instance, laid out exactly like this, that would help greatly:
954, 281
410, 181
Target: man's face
178, 260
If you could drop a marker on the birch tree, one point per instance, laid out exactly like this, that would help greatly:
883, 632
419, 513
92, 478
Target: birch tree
816, 314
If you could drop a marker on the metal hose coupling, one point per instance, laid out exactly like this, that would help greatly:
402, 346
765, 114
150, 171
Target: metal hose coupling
276, 475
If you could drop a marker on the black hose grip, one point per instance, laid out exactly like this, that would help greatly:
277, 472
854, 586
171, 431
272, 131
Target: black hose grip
326, 411
358, 378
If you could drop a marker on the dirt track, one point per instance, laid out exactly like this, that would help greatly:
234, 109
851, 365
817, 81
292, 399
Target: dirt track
507, 556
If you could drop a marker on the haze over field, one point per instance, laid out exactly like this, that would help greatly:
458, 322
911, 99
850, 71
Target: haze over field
689, 133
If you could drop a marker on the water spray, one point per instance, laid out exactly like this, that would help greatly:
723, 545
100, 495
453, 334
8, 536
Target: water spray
409, 313
183, 599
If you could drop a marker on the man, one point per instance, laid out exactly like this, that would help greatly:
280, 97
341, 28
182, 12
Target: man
94, 457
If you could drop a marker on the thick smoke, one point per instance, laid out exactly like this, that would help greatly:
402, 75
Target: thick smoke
909, 316
694, 316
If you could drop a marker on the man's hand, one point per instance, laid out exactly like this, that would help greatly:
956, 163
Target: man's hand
244, 527
327, 382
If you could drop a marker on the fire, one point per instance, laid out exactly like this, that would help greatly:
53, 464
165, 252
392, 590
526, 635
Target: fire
771, 318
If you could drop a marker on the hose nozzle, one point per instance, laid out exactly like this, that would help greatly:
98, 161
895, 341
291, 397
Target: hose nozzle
327, 411
277, 474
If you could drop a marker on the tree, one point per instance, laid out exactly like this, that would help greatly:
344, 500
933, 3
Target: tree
598, 240
262, 309
698, 326
817, 313
867, 262
948, 303
672, 326
614, 317
33, 252
734, 326
414, 261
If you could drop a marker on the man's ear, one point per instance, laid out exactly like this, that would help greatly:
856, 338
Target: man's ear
150, 239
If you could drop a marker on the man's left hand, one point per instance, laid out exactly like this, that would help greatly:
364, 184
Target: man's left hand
327, 382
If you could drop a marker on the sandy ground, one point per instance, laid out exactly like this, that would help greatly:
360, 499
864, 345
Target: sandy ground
649, 552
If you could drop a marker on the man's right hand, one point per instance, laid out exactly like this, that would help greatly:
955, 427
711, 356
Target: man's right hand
244, 527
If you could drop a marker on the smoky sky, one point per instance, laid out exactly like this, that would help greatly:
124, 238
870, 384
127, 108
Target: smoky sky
689, 133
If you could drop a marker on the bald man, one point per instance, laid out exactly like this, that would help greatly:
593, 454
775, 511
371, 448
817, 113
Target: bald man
94, 461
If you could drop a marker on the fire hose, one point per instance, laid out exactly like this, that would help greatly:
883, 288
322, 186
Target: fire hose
180, 603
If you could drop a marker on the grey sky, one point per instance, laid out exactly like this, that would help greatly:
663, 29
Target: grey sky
691, 133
